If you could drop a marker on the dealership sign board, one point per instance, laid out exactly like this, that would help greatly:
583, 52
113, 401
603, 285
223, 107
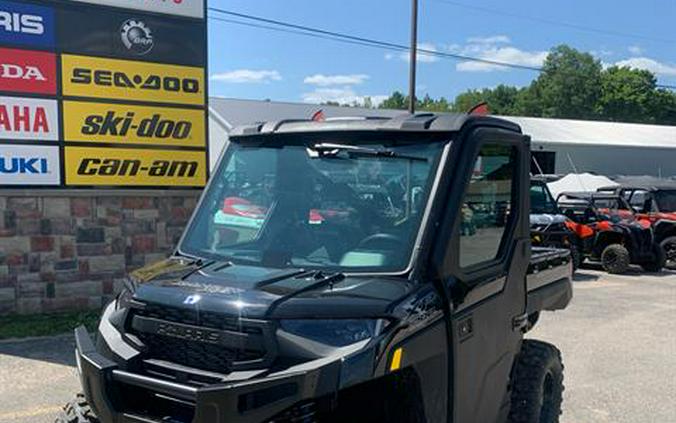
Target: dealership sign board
123, 106
189, 8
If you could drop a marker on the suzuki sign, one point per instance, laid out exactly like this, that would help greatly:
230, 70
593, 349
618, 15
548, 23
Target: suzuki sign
29, 165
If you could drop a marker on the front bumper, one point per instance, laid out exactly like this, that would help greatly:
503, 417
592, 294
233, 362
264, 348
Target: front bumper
252, 401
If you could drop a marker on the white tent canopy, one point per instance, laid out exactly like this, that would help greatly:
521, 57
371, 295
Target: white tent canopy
577, 182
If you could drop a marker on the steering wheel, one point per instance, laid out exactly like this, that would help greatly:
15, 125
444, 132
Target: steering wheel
378, 240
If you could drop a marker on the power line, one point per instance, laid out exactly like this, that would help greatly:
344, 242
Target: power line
557, 23
287, 27
337, 36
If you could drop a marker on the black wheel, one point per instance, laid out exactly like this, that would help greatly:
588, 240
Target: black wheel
669, 247
615, 259
77, 411
658, 262
537, 388
576, 257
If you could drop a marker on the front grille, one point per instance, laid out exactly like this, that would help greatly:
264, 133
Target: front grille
229, 344
198, 355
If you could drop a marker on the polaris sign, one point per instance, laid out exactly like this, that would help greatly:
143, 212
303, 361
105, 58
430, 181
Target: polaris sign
29, 165
26, 24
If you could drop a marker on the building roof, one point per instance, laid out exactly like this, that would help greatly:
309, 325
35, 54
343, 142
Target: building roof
236, 112
566, 131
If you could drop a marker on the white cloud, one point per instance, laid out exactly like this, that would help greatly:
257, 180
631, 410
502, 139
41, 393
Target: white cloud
329, 80
422, 57
509, 54
635, 50
494, 39
344, 95
247, 76
658, 68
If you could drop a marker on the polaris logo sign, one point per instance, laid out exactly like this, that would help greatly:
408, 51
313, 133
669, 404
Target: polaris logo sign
28, 119
26, 24
29, 165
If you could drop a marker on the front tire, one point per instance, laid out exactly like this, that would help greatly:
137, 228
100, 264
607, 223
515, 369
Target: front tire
77, 411
615, 259
537, 386
669, 247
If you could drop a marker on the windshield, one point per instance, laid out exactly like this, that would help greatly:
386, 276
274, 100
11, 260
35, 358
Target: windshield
666, 200
541, 201
342, 208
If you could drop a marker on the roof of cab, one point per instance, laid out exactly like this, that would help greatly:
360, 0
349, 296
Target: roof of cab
420, 122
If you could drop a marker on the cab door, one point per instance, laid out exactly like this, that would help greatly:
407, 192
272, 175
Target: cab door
485, 263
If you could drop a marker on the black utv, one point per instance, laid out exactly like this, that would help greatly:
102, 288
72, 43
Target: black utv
366, 270
549, 227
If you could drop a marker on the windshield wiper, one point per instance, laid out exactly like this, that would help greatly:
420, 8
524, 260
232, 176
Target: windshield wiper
332, 150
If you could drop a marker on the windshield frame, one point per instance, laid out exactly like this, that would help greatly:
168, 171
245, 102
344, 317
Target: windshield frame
435, 175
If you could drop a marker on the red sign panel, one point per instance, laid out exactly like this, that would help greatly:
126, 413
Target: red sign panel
24, 71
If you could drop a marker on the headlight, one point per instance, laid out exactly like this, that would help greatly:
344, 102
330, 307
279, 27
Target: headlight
335, 332
125, 296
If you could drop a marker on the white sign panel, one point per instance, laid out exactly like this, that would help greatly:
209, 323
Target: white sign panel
29, 165
29, 119
190, 8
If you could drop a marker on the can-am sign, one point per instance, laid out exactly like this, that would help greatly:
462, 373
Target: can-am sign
29, 165
190, 8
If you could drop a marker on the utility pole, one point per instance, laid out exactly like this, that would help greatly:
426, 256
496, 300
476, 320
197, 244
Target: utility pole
414, 56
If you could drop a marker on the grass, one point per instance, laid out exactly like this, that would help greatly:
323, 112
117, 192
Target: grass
17, 326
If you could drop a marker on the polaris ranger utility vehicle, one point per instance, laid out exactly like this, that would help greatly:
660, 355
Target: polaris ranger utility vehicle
653, 199
614, 235
332, 272
549, 227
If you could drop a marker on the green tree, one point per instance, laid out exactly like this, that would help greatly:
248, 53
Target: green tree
396, 101
627, 95
570, 84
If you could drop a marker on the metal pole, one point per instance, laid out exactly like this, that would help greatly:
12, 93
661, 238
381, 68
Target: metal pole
414, 55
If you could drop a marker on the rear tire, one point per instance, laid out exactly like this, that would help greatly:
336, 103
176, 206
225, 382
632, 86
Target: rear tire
77, 411
669, 247
615, 259
658, 262
537, 387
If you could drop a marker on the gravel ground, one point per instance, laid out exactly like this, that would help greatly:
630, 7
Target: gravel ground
618, 340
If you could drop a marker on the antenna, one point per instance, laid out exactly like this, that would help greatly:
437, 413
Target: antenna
413, 57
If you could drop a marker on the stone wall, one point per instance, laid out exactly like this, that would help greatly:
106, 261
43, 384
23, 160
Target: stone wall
70, 250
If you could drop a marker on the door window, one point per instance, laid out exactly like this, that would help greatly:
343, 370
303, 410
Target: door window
487, 204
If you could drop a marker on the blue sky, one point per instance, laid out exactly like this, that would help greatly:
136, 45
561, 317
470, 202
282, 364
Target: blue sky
257, 63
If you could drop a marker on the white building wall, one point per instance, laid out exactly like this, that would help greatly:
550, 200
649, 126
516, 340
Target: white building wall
611, 160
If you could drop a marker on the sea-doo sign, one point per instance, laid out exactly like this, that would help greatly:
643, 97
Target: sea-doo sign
124, 79
28, 119
29, 165
26, 24
25, 71
189, 8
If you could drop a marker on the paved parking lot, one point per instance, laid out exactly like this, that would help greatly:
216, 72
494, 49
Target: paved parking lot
618, 340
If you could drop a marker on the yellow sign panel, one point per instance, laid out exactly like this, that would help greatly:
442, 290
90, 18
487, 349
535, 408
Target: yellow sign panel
131, 167
125, 124
124, 79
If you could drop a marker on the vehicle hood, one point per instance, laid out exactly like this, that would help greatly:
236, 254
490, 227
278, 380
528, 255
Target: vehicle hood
259, 292
542, 219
